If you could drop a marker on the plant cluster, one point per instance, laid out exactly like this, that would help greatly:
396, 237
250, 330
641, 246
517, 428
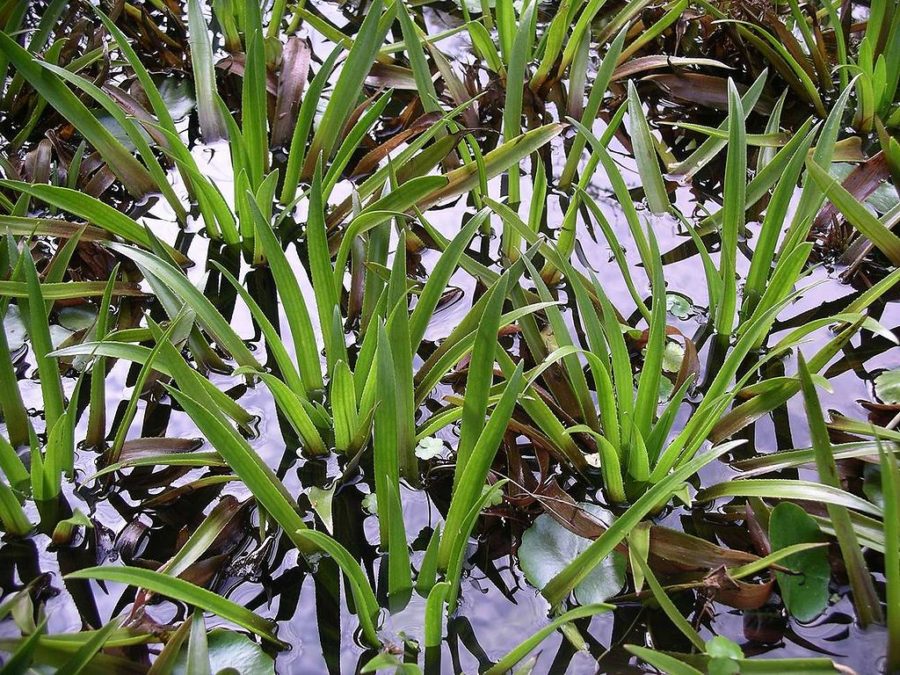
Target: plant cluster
298, 297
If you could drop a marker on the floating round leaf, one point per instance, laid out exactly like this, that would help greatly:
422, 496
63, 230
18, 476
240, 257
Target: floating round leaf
547, 547
805, 591
887, 386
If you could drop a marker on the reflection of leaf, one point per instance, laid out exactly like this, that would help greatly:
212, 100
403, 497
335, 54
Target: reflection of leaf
232, 651
887, 386
805, 594
547, 547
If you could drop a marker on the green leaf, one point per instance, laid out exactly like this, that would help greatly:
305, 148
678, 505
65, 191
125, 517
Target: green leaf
429, 448
865, 598
128, 132
547, 547
777, 488
86, 653
722, 647
349, 83
515, 76
305, 116
733, 211
638, 551
184, 591
35, 315
286, 366
75, 202
203, 537
664, 663
249, 466
254, 98
434, 611
887, 386
645, 154
679, 306
578, 569
712, 146
891, 491
363, 597
466, 178
181, 286
295, 308
294, 408
161, 105
12, 516
197, 652
668, 606
212, 125
321, 500
228, 649
805, 593
479, 377
387, 471
467, 489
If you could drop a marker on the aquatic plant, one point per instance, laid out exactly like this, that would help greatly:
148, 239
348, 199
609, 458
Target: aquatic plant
256, 316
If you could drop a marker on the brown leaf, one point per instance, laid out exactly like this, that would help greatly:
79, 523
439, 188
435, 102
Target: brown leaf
681, 551
37, 162
371, 159
390, 76
202, 571
738, 594
709, 91
861, 182
653, 62
560, 506
291, 82
234, 65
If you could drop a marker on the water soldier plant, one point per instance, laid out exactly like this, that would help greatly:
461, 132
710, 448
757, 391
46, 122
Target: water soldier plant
335, 331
